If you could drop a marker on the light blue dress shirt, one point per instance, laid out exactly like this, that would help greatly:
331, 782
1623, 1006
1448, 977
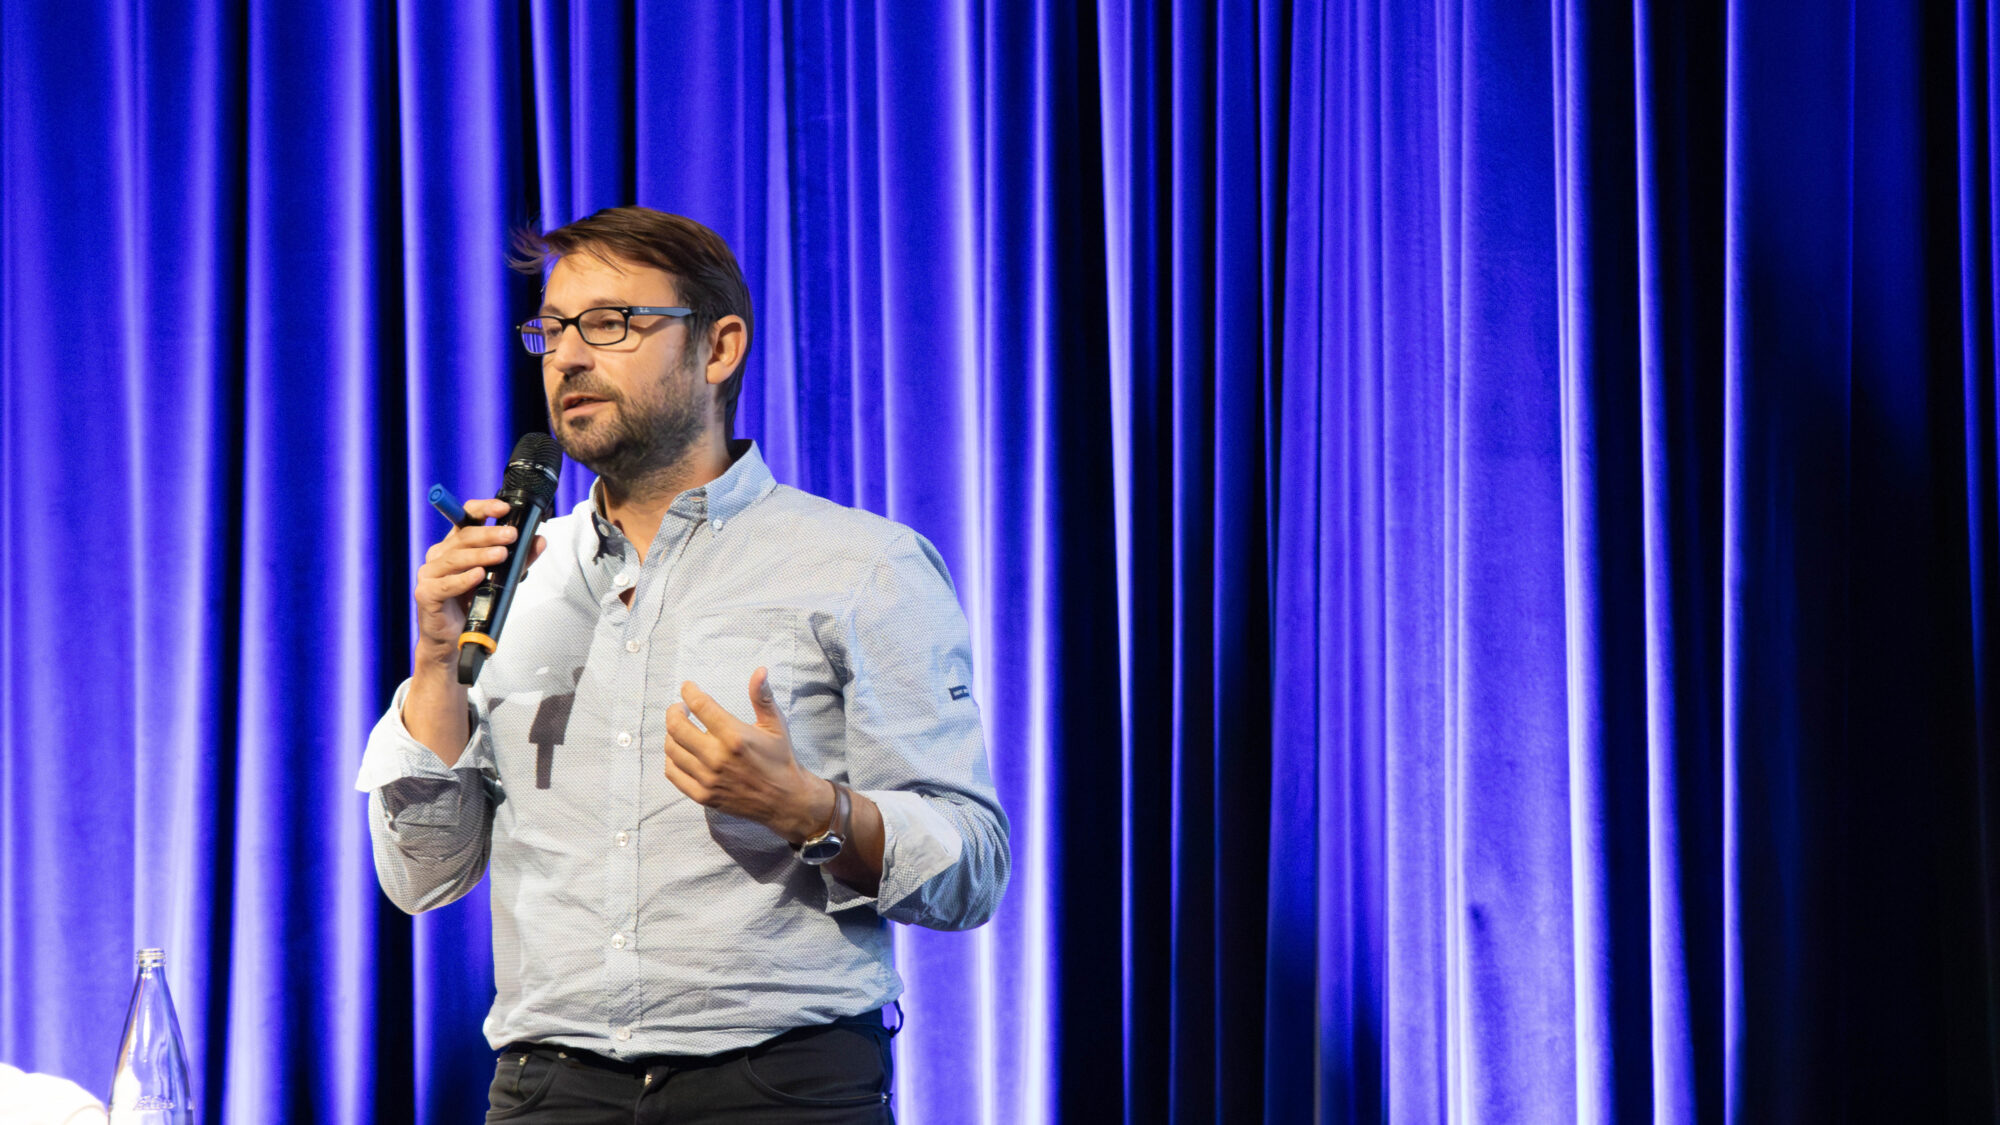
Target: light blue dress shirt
627, 919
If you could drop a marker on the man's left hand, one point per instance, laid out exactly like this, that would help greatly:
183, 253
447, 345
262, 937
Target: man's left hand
745, 769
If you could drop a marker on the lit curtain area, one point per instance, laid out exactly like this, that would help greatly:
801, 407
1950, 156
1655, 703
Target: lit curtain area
1478, 522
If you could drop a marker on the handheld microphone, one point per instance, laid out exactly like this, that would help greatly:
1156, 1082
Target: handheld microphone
529, 490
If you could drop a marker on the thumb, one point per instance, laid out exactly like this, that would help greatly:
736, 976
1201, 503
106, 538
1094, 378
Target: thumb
764, 701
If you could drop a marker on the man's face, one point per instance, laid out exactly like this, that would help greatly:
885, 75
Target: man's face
628, 408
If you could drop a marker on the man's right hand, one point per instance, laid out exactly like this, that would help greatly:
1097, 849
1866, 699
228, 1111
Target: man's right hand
452, 568
434, 710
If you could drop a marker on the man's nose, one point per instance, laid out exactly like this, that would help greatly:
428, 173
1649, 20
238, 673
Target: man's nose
571, 353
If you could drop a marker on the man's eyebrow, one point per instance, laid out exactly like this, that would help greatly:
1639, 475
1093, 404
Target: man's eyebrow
593, 303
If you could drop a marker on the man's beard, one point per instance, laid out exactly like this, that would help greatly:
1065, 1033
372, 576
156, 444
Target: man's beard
623, 441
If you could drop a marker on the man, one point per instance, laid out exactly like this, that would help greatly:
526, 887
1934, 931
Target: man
729, 733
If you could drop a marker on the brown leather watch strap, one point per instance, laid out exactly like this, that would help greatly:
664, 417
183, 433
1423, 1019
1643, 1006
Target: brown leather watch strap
837, 824
843, 812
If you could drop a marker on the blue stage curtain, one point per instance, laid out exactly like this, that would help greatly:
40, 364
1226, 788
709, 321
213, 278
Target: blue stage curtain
1478, 522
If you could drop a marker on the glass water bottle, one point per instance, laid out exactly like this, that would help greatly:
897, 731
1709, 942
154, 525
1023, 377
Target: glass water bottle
150, 1086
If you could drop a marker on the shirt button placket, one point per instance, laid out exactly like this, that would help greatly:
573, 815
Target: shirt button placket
626, 1000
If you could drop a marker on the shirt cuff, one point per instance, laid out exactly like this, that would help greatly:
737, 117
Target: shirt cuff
393, 754
918, 844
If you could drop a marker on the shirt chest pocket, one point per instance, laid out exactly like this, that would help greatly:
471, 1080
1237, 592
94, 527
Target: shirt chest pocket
719, 651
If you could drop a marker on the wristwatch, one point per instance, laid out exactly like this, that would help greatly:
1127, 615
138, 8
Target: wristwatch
823, 847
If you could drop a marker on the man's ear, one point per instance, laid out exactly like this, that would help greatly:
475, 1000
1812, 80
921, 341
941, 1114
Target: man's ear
728, 340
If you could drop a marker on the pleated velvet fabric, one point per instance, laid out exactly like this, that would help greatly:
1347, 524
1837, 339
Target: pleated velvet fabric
1478, 522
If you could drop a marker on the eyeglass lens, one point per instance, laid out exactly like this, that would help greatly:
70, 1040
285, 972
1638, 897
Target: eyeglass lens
599, 327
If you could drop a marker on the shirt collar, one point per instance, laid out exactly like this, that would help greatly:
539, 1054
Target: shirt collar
745, 482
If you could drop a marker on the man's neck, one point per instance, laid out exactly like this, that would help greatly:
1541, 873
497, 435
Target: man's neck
637, 506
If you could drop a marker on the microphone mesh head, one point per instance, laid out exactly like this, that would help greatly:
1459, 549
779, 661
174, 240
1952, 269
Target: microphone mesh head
534, 467
540, 449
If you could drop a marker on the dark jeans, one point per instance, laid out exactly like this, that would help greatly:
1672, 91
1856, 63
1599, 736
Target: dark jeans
838, 1074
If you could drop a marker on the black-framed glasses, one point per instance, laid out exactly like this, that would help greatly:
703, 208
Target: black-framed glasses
599, 327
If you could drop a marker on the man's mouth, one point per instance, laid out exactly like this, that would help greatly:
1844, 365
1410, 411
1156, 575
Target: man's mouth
578, 401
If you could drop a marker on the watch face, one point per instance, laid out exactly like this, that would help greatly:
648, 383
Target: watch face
820, 849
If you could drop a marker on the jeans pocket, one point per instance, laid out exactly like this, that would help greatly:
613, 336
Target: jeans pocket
837, 1066
521, 1079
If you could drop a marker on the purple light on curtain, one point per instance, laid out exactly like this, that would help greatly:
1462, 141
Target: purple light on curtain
1476, 521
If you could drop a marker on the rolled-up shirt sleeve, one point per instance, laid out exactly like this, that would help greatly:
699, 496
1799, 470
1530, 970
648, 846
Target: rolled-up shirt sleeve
430, 824
915, 746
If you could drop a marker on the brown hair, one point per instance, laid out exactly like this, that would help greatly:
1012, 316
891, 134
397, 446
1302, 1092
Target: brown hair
704, 271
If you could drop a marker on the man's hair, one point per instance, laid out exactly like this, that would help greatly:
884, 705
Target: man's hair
704, 271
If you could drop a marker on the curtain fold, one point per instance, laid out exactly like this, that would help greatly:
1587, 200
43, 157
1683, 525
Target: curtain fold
1477, 522
1679, 166
1975, 94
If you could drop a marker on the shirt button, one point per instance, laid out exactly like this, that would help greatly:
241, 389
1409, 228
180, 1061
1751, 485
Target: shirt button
633, 646
624, 738
617, 941
623, 838
622, 578
623, 1033
716, 524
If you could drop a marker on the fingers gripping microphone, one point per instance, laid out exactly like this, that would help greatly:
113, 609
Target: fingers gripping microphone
529, 490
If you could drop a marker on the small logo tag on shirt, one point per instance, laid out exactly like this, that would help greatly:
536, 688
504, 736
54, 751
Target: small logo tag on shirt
960, 691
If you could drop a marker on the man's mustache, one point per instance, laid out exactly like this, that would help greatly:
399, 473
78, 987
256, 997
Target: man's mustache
585, 390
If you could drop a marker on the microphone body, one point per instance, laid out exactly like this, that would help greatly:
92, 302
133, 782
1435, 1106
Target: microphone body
529, 490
